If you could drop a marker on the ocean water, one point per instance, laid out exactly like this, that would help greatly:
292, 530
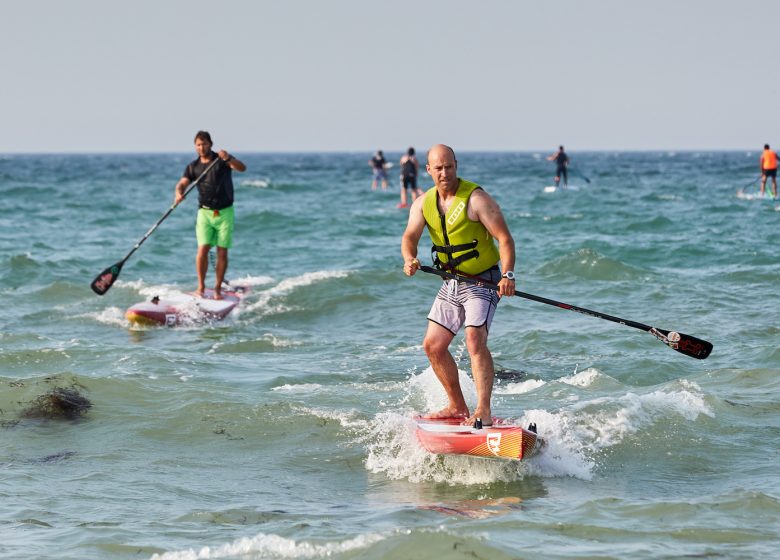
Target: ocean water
285, 432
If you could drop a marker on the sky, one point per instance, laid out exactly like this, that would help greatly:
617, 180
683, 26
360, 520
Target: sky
361, 75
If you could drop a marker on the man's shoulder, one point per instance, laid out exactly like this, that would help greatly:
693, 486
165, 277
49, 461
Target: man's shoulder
479, 198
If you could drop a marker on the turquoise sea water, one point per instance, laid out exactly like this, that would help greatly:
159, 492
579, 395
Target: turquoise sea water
284, 431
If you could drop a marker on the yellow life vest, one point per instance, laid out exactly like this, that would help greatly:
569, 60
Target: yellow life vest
459, 244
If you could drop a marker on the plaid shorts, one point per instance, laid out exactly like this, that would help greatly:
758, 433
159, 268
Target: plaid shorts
460, 304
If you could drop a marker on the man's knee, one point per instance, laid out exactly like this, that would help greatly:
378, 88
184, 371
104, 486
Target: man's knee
433, 345
476, 339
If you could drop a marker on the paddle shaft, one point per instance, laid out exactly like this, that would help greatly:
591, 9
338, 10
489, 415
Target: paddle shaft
578, 172
103, 281
171, 209
685, 344
751, 183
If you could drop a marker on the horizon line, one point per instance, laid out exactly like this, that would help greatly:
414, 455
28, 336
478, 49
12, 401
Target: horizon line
359, 151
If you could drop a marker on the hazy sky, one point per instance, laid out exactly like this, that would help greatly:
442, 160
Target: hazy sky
352, 75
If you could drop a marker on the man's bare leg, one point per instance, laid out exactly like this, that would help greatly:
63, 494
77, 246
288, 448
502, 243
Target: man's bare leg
201, 267
222, 264
436, 343
483, 371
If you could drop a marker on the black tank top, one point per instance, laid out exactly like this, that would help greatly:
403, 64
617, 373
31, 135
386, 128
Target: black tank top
408, 169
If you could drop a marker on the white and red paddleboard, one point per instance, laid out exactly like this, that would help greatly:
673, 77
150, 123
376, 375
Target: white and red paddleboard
186, 308
502, 439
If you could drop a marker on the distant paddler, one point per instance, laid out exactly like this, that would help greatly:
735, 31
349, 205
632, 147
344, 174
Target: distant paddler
410, 167
768, 163
378, 165
214, 224
561, 166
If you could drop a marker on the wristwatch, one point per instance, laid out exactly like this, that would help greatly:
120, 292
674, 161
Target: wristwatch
509, 275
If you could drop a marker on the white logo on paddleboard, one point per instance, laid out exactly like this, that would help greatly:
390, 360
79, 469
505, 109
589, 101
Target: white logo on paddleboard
494, 442
456, 212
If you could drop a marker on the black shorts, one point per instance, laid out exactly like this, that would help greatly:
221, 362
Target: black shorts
409, 182
770, 172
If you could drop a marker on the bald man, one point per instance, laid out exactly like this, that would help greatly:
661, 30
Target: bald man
465, 224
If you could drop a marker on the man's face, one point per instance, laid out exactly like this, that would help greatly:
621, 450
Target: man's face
202, 147
443, 168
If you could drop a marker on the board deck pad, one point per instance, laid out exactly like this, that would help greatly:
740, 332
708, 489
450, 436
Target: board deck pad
503, 439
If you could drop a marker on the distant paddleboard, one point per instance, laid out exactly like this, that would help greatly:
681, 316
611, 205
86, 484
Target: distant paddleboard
553, 188
186, 308
742, 195
502, 439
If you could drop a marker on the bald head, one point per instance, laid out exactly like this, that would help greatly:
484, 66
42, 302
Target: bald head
441, 150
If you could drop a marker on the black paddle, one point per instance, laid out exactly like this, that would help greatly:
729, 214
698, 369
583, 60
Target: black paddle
750, 184
683, 343
578, 172
103, 281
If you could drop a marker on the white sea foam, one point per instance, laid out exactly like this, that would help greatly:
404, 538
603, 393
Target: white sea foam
298, 388
108, 316
346, 418
519, 388
267, 338
260, 183
249, 280
607, 421
288, 285
427, 387
584, 378
273, 546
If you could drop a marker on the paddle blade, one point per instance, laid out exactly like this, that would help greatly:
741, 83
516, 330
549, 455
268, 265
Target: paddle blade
103, 281
683, 343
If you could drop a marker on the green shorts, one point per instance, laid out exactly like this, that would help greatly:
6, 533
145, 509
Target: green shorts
215, 230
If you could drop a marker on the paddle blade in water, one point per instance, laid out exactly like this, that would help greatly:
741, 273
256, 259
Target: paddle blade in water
683, 343
103, 281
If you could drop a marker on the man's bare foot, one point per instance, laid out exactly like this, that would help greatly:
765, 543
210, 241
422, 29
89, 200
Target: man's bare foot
199, 293
446, 412
486, 419
217, 295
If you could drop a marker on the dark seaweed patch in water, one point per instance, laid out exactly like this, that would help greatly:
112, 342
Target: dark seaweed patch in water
58, 404
511, 374
54, 457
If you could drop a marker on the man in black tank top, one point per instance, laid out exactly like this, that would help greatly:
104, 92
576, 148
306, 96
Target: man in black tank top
561, 166
214, 224
409, 170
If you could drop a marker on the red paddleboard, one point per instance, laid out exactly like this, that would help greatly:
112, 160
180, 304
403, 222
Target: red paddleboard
502, 439
186, 308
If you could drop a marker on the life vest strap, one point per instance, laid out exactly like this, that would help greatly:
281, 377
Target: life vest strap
449, 249
451, 264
